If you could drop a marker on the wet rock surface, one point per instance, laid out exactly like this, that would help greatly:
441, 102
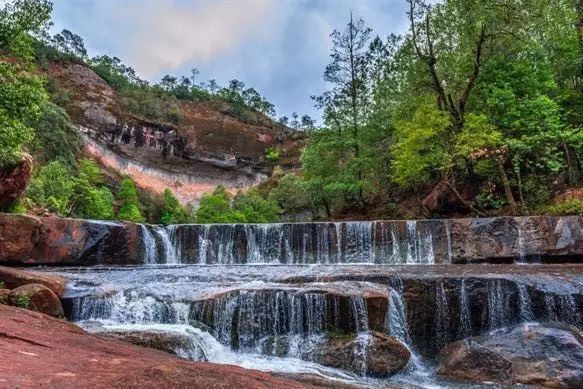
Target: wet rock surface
384, 355
158, 340
528, 353
39, 351
26, 240
13, 278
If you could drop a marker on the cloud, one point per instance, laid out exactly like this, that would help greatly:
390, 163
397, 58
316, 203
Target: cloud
169, 35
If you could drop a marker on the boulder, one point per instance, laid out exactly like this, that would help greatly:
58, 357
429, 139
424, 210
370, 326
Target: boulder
528, 353
40, 351
13, 181
38, 298
13, 278
169, 342
28, 240
384, 355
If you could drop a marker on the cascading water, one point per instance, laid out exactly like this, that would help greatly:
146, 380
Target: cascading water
274, 296
304, 243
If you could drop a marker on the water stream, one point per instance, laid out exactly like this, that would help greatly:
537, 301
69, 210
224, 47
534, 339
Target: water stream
273, 297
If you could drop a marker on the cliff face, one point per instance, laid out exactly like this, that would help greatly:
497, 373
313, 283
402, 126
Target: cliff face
208, 148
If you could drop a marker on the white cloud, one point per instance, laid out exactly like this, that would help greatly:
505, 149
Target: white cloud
167, 35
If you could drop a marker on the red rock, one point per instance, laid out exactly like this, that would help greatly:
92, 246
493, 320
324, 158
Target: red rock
39, 351
39, 297
386, 355
530, 354
13, 278
13, 181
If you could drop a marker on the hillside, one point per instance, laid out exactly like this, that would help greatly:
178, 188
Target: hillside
209, 147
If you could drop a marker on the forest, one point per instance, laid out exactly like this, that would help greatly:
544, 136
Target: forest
477, 110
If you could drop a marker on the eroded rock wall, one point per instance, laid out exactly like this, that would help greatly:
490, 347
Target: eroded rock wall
26, 240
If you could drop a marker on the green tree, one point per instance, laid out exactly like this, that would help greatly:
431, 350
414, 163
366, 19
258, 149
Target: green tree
21, 90
216, 208
255, 209
52, 187
129, 209
290, 194
56, 138
172, 211
91, 200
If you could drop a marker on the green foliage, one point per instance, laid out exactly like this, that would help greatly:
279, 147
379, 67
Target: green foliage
255, 209
22, 95
569, 206
52, 187
218, 207
56, 138
172, 211
21, 89
421, 148
291, 194
21, 301
129, 209
91, 200
272, 155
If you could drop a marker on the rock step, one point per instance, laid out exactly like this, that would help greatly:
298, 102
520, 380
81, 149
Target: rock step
26, 240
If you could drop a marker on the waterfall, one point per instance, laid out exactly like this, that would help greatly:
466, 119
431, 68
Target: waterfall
465, 326
497, 312
441, 316
150, 255
396, 316
304, 243
524, 303
363, 337
562, 308
167, 245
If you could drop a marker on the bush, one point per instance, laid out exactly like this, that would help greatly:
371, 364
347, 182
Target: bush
256, 209
56, 138
130, 206
52, 187
172, 211
91, 201
272, 155
570, 206
216, 208
290, 194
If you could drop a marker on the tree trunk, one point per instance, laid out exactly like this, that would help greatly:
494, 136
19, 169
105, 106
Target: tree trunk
326, 207
507, 189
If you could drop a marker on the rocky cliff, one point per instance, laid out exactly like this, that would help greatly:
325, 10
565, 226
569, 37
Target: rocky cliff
210, 146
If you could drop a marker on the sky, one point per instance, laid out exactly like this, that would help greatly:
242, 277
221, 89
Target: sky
279, 47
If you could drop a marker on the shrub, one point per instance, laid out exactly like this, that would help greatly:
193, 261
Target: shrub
272, 155
290, 194
256, 209
172, 211
129, 209
570, 206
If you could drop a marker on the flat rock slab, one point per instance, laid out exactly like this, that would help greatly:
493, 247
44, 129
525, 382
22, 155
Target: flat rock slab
40, 351
13, 278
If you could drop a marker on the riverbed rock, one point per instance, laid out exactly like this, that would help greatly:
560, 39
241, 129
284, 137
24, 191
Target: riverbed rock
169, 342
528, 353
385, 355
13, 181
28, 240
40, 351
13, 278
38, 298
